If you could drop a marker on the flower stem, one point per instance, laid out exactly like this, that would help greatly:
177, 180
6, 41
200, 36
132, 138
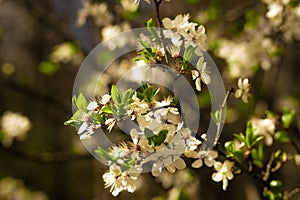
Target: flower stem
157, 4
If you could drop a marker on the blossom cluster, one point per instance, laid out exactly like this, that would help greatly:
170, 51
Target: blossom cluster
260, 44
11, 188
158, 145
14, 125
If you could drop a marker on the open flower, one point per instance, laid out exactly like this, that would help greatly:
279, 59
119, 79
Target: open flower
119, 181
196, 37
243, 90
224, 172
165, 158
140, 142
266, 128
201, 74
207, 156
179, 24
14, 125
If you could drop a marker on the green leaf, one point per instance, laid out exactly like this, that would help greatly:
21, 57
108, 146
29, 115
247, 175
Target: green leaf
282, 136
104, 155
239, 154
81, 102
116, 95
287, 117
249, 132
230, 146
152, 30
128, 96
96, 118
271, 115
188, 54
70, 122
240, 138
75, 119
149, 93
155, 140
48, 68
107, 109
258, 156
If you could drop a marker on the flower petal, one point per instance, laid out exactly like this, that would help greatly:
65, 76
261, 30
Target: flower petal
218, 176
197, 164
195, 74
179, 164
198, 84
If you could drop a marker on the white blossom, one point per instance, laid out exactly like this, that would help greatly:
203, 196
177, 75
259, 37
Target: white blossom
243, 89
14, 125
98, 11
207, 156
119, 181
224, 172
179, 24
266, 128
201, 74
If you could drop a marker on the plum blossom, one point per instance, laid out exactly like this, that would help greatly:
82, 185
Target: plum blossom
224, 172
119, 181
14, 125
207, 156
243, 89
201, 74
266, 128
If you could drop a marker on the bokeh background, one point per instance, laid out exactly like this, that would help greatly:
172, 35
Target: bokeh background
42, 44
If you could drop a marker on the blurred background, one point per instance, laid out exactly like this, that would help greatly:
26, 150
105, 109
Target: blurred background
42, 44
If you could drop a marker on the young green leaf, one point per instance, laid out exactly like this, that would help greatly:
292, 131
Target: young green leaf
116, 95
127, 96
107, 109
79, 102
258, 156
282, 136
287, 117
155, 140
188, 54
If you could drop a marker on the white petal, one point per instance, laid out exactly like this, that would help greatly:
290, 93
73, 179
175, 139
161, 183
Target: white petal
171, 169
229, 175
191, 154
245, 82
105, 99
197, 164
218, 166
92, 105
198, 84
212, 154
195, 74
225, 183
217, 176
155, 172
238, 93
82, 128
245, 98
179, 164
240, 83
209, 162
134, 136
205, 78
228, 165
200, 63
